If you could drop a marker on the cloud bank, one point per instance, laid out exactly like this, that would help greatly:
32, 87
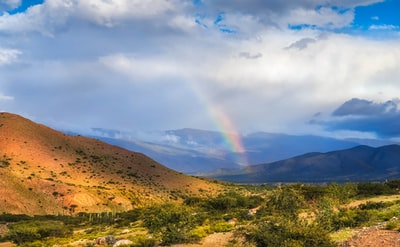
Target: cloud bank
379, 118
268, 65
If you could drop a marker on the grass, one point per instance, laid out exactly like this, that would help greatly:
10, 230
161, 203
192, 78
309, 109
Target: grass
343, 235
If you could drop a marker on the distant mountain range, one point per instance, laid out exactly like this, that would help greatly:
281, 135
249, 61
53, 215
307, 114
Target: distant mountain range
199, 152
361, 163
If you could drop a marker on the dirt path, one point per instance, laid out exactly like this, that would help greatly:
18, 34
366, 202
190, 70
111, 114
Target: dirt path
213, 240
373, 237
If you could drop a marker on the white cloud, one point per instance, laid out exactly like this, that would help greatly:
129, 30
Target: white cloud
143, 68
383, 27
6, 97
53, 15
8, 56
147, 64
324, 17
109, 13
9, 4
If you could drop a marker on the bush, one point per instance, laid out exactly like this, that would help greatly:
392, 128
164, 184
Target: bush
143, 241
285, 201
222, 227
29, 231
283, 232
351, 218
374, 189
172, 222
5, 217
372, 205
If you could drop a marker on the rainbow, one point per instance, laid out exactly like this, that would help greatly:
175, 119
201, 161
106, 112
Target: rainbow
224, 125
230, 134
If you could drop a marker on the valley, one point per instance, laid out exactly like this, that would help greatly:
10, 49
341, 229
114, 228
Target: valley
70, 190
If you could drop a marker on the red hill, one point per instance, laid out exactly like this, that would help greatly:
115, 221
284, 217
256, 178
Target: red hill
43, 171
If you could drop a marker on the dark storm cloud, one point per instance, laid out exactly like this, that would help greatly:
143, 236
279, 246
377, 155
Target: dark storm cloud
301, 44
362, 107
361, 115
248, 55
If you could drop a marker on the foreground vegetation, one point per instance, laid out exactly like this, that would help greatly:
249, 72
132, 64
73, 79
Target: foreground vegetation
290, 215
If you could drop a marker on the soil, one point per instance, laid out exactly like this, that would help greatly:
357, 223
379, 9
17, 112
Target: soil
7, 244
373, 237
213, 240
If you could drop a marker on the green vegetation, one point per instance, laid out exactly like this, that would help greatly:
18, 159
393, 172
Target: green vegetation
290, 215
5, 161
29, 231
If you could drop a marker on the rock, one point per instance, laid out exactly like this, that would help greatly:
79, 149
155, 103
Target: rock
107, 240
123, 242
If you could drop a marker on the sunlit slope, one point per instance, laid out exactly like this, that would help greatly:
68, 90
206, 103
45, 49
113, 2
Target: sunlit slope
43, 171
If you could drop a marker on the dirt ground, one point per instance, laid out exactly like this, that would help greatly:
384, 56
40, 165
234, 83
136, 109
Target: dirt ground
373, 237
213, 240
7, 244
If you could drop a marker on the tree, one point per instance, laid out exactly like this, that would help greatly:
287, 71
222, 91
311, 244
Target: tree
285, 201
279, 231
29, 231
172, 222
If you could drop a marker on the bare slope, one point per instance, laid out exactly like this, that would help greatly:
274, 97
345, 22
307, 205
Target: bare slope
43, 171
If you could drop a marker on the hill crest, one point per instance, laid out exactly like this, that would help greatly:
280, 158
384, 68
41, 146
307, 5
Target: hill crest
43, 171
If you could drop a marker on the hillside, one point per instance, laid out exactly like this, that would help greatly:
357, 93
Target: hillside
361, 163
43, 171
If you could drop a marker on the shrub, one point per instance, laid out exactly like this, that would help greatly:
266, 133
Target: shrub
372, 205
222, 227
351, 218
285, 201
172, 222
283, 232
143, 241
374, 189
29, 231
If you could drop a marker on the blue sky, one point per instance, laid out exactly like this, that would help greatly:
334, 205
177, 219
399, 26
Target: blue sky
276, 66
23, 6
379, 14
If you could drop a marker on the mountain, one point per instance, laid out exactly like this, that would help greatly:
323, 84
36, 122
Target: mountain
265, 147
43, 171
194, 151
361, 163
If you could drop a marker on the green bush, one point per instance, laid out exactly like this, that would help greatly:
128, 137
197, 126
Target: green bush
374, 189
352, 218
143, 241
373, 205
14, 217
285, 201
172, 222
222, 227
29, 231
283, 232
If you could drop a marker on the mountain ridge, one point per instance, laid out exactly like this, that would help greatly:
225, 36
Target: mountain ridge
360, 163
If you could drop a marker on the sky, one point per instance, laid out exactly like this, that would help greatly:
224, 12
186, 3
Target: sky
327, 67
